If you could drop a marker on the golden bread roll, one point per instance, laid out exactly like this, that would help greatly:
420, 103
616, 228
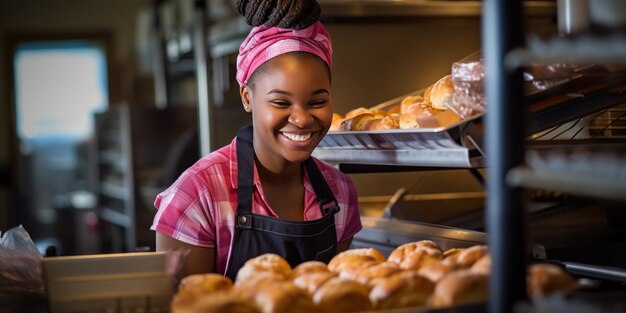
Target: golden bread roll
469, 256
268, 262
452, 253
377, 112
350, 269
441, 93
405, 289
435, 271
336, 122
391, 121
398, 253
546, 279
359, 122
371, 252
223, 302
346, 262
284, 297
340, 295
205, 283
427, 92
458, 288
483, 265
396, 109
248, 287
373, 274
420, 257
308, 267
373, 124
419, 116
311, 282
194, 287
357, 111
446, 118
350, 257
421, 109
408, 101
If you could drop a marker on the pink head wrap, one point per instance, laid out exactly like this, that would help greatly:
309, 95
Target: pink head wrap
264, 43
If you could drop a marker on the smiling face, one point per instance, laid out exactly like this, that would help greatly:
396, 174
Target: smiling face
291, 108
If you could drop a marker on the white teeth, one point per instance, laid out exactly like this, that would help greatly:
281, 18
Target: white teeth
296, 137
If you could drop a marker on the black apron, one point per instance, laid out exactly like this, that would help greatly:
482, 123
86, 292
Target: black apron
296, 241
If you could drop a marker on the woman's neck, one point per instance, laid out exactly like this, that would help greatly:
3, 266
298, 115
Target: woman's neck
277, 172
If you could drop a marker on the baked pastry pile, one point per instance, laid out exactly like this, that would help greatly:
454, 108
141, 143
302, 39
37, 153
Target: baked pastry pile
429, 110
358, 280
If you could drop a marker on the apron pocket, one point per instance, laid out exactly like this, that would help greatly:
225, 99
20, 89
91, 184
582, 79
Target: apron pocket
326, 254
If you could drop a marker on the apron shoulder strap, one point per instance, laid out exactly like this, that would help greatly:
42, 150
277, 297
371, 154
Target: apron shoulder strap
245, 170
322, 191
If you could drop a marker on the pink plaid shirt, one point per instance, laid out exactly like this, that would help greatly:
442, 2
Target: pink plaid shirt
200, 207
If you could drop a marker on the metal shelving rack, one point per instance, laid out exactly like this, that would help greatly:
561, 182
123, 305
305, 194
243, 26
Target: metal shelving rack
505, 53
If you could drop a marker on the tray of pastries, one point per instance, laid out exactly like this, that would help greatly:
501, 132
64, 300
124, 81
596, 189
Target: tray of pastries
415, 277
417, 129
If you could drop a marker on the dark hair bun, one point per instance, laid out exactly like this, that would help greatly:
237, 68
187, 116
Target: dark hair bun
291, 14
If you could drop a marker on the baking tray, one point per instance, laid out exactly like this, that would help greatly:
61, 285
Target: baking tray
385, 234
456, 145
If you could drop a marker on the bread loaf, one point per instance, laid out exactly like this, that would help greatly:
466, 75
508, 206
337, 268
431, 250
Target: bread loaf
264, 263
469, 256
398, 254
205, 283
194, 287
284, 297
458, 288
418, 115
420, 257
435, 271
339, 295
546, 279
374, 274
223, 302
308, 267
483, 265
248, 287
441, 93
409, 101
359, 122
311, 282
357, 111
405, 289
451, 255
336, 122
354, 256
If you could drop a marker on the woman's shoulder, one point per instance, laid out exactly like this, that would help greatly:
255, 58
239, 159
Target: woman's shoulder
214, 161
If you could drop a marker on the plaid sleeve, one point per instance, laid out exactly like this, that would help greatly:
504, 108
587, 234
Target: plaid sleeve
352, 217
184, 211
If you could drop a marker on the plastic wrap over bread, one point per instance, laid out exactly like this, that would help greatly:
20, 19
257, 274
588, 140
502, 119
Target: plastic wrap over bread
469, 92
539, 77
468, 79
21, 279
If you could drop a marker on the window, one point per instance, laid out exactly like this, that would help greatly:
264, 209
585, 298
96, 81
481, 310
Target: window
58, 85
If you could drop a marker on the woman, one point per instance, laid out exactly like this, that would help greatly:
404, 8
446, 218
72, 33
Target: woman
264, 192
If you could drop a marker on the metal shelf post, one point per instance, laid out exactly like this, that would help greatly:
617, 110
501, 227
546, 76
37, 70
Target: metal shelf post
501, 32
